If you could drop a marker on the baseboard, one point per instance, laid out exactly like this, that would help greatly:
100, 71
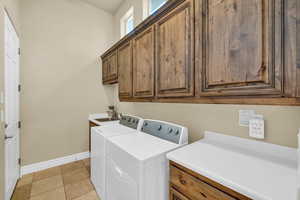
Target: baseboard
28, 169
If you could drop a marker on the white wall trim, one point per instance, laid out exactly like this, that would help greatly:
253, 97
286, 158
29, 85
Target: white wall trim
27, 169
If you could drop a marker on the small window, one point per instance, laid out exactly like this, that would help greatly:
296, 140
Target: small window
127, 22
150, 6
155, 4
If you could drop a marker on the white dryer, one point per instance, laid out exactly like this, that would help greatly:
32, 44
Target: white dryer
127, 125
137, 167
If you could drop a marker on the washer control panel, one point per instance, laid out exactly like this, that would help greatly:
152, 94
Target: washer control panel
129, 121
166, 131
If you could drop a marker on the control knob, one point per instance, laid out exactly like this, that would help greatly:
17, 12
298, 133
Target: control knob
159, 128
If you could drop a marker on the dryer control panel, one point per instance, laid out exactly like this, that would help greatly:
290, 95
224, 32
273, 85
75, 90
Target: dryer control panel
130, 121
164, 130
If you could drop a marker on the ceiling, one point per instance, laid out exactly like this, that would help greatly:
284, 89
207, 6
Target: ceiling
107, 5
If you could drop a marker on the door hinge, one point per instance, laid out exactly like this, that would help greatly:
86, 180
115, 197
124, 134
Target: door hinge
5, 126
19, 51
19, 88
19, 124
19, 161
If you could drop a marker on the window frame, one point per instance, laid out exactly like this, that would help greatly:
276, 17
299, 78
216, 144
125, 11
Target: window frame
124, 21
147, 8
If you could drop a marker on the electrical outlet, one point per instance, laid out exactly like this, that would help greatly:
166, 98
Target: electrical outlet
257, 128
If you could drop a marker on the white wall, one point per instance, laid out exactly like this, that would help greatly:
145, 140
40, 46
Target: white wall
61, 76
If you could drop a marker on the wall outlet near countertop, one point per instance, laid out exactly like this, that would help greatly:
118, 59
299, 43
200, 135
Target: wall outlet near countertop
1, 97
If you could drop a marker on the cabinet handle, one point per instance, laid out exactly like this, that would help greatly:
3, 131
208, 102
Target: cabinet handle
183, 182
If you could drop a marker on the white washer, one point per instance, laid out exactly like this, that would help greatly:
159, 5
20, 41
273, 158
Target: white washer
137, 167
127, 124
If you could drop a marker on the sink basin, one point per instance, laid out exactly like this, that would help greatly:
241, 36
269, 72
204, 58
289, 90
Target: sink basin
104, 120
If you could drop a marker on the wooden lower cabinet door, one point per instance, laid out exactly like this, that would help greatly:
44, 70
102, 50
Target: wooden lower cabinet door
143, 64
175, 52
91, 125
239, 47
125, 70
174, 195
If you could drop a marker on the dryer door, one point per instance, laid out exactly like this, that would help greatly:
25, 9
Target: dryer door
119, 183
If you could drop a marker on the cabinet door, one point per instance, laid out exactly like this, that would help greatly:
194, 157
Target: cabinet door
174, 195
143, 64
125, 70
239, 47
104, 69
112, 67
175, 52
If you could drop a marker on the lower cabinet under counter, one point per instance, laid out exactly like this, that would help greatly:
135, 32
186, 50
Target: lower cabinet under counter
188, 185
91, 124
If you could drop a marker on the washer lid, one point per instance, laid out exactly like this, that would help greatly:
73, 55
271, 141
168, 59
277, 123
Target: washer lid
113, 130
143, 146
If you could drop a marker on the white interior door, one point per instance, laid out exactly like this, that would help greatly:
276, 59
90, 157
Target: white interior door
12, 116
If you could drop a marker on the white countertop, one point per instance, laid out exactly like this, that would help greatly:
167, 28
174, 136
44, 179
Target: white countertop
259, 170
93, 117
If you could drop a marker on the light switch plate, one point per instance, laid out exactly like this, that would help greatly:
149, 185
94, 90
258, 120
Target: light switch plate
257, 128
1, 98
1, 115
245, 116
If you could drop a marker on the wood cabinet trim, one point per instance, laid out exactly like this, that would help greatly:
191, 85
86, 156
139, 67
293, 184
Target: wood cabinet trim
272, 22
177, 195
188, 89
275, 101
208, 181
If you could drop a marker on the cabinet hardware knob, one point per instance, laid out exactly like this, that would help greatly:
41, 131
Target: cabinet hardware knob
183, 182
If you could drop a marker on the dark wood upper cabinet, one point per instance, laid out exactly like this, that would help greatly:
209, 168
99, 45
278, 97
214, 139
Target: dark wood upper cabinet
104, 69
175, 52
110, 68
125, 70
143, 64
239, 49
211, 51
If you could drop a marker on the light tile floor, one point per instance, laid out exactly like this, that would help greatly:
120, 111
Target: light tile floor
66, 182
